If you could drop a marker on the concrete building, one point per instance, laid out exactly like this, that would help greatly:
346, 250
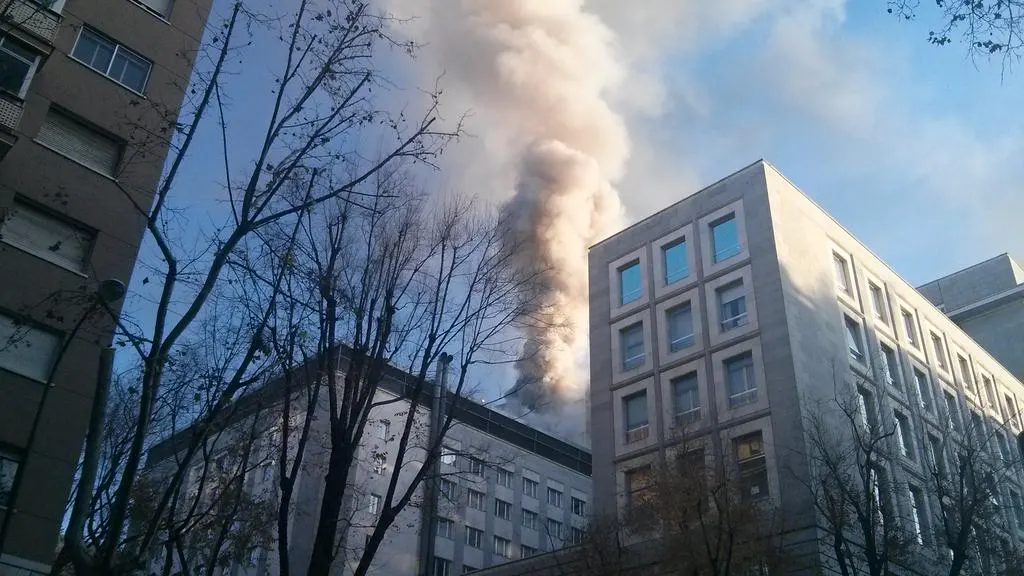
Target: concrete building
86, 87
503, 490
986, 300
724, 318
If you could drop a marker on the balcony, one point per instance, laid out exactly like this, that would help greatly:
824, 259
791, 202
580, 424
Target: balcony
10, 115
36, 18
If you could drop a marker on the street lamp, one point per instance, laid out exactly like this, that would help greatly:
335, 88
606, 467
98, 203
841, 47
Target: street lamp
109, 291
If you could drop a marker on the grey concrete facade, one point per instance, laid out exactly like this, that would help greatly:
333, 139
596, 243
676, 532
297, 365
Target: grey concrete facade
41, 292
795, 334
987, 301
512, 455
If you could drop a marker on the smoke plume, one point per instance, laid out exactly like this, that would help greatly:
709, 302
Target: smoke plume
535, 75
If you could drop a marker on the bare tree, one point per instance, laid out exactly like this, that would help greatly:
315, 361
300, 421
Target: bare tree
987, 27
308, 155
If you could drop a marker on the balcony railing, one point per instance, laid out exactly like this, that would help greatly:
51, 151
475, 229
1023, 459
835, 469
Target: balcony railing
35, 17
10, 111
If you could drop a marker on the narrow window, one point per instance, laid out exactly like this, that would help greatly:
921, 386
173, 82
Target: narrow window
924, 391
674, 260
904, 435
938, 455
725, 240
940, 351
990, 391
917, 513
630, 287
866, 409
910, 327
965, 374
631, 341
732, 306
891, 367
374, 506
878, 303
579, 506
739, 378
680, 327
853, 340
639, 486
686, 399
635, 409
753, 470
842, 273
952, 410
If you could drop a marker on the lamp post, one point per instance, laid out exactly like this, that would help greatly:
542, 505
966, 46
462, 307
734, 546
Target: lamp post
108, 292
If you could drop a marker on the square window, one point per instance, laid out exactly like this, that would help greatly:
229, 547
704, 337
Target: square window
26, 349
476, 466
448, 489
732, 306
725, 240
17, 64
940, 351
474, 537
530, 487
554, 497
505, 477
529, 519
739, 379
579, 506
904, 436
445, 528
924, 391
674, 258
680, 327
475, 499
891, 368
502, 509
442, 567
854, 341
686, 399
634, 408
630, 287
910, 327
842, 270
502, 547
753, 470
878, 307
631, 341
555, 529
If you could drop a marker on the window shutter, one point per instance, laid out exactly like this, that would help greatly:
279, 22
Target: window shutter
161, 7
46, 236
77, 141
26, 350
731, 292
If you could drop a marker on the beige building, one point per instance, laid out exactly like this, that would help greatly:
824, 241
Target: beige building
84, 87
720, 320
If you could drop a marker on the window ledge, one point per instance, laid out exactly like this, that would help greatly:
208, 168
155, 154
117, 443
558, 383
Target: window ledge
152, 12
41, 256
109, 79
82, 164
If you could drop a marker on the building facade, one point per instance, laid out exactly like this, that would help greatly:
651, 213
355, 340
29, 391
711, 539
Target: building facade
85, 85
723, 320
986, 300
502, 490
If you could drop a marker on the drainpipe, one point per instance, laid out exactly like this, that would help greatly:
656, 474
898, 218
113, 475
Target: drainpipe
431, 483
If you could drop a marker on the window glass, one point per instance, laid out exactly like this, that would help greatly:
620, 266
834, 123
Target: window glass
46, 236
631, 339
739, 377
965, 373
904, 435
674, 258
853, 340
529, 519
842, 273
630, 287
16, 62
924, 391
94, 50
732, 303
635, 409
554, 497
686, 399
909, 327
112, 60
27, 350
530, 487
680, 327
891, 367
940, 351
877, 302
474, 537
725, 241
952, 410
753, 470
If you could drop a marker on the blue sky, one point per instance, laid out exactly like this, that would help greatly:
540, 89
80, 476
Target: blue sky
916, 149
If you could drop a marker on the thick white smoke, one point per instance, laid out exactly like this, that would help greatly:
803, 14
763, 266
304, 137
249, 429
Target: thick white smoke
535, 75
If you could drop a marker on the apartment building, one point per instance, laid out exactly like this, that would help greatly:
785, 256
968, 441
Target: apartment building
86, 87
502, 490
721, 321
986, 300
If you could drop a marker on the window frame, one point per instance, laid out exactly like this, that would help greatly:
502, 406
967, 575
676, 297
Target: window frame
680, 243
841, 274
557, 503
693, 414
473, 533
738, 320
923, 386
877, 301
686, 341
508, 475
911, 330
87, 234
905, 435
500, 505
636, 361
33, 66
481, 499
854, 340
506, 546
578, 506
636, 294
640, 431
534, 486
532, 515
892, 375
118, 48
29, 326
444, 527
723, 254
940, 350
749, 375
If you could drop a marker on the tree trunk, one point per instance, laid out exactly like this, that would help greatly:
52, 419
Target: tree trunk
330, 509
